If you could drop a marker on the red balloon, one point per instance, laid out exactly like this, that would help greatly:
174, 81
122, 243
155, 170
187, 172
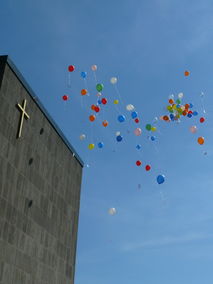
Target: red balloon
71, 68
138, 163
65, 97
97, 109
202, 119
148, 168
104, 101
137, 120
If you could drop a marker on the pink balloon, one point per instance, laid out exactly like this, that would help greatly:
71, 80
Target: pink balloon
138, 131
193, 129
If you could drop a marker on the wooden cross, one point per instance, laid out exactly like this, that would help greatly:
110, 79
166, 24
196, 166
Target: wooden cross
23, 114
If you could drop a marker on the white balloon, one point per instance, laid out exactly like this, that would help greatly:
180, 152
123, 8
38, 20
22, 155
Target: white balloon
117, 133
113, 80
130, 107
171, 97
82, 136
112, 211
180, 95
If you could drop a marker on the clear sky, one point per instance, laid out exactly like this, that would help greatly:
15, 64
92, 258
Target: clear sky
160, 233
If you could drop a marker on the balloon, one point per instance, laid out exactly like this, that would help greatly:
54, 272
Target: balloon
99, 87
105, 123
99, 94
130, 107
201, 94
178, 101
82, 136
100, 145
116, 102
189, 115
97, 109
93, 107
191, 105
153, 138
160, 179
117, 133
165, 118
137, 131
138, 147
91, 146
180, 96
92, 117
171, 101
153, 128
94, 67
200, 140
83, 75
134, 114
121, 118
112, 211
193, 129
138, 163
71, 68
99, 102
83, 92
119, 138
195, 113
137, 120
172, 117
171, 97
148, 127
148, 168
202, 119
113, 80
104, 101
186, 73
65, 97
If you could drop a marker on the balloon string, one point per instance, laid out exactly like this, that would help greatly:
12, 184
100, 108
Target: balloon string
117, 91
95, 77
69, 81
86, 87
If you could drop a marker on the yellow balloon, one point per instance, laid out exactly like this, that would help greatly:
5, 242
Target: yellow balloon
174, 107
116, 102
154, 128
91, 146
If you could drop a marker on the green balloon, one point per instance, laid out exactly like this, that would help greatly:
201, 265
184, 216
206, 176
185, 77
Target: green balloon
178, 101
99, 87
148, 127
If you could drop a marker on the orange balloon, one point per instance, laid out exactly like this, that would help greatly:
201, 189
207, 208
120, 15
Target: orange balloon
83, 92
171, 101
187, 106
105, 123
93, 107
92, 117
184, 113
166, 118
201, 140
186, 73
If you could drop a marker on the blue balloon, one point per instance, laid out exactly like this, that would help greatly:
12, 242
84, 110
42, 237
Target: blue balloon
121, 118
190, 105
134, 114
99, 102
138, 147
100, 145
189, 115
153, 138
160, 179
119, 138
84, 74
195, 113
177, 106
172, 117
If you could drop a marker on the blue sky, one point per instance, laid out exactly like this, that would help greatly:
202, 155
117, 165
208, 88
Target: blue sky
161, 233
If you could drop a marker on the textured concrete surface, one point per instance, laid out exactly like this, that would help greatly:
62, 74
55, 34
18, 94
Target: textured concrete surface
40, 184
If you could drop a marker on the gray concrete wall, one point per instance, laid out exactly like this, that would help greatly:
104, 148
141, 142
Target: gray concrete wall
37, 243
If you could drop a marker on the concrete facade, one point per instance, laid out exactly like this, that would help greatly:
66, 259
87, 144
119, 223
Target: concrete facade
40, 181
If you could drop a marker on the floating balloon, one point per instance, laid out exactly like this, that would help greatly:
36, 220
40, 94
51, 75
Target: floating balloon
180, 96
138, 163
94, 67
93, 107
137, 120
84, 92
116, 102
160, 179
92, 117
186, 73
148, 168
99, 87
121, 118
97, 109
195, 113
104, 101
193, 129
153, 138
153, 129
99, 102
200, 140
112, 211
138, 146
117, 133
130, 107
83, 75
71, 68
119, 138
134, 114
165, 118
105, 123
100, 145
148, 127
113, 80
202, 119
65, 97
99, 94
137, 131
82, 136
171, 101
91, 146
